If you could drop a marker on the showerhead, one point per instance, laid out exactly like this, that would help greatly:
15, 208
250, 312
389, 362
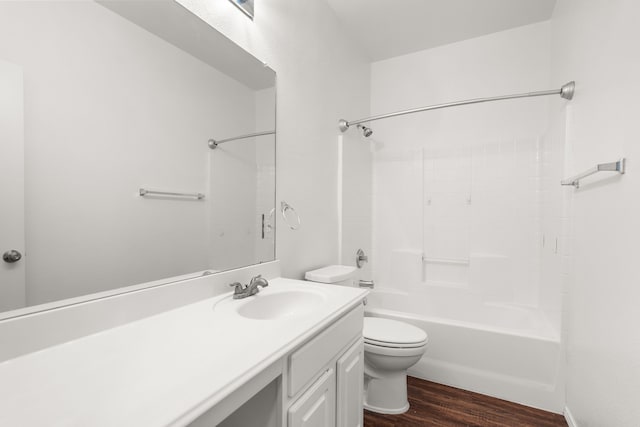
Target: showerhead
367, 132
344, 125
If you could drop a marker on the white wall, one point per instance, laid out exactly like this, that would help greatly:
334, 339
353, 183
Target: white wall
322, 76
596, 43
473, 172
356, 195
88, 149
12, 275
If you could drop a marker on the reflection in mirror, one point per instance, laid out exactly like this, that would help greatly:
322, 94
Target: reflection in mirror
103, 99
246, 6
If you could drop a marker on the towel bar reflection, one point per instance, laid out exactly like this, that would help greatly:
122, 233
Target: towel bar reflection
619, 166
145, 192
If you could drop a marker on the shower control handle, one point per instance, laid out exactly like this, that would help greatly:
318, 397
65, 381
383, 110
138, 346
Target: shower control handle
361, 258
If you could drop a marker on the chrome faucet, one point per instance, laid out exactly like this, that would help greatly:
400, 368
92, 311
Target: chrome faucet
243, 291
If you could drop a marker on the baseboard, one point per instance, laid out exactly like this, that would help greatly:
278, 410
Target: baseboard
569, 418
547, 397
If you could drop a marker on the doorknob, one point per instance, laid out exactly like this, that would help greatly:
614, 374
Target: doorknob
11, 256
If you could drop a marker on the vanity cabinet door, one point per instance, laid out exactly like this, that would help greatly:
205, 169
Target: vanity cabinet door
316, 407
350, 371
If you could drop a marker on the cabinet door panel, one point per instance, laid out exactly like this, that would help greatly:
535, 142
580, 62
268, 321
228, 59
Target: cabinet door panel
306, 362
350, 369
316, 407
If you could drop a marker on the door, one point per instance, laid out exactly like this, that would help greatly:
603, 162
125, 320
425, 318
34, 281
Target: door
316, 407
350, 371
12, 269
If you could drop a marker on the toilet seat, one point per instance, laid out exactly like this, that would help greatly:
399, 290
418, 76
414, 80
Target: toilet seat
389, 333
399, 352
394, 345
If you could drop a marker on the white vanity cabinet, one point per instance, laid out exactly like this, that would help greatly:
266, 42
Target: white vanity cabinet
325, 376
316, 407
349, 386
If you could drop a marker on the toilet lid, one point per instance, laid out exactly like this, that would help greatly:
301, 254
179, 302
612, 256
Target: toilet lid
330, 274
392, 333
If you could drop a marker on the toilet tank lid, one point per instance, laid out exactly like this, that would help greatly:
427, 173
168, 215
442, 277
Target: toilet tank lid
331, 274
392, 331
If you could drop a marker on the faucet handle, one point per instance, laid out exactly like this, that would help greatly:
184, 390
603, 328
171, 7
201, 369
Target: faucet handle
239, 287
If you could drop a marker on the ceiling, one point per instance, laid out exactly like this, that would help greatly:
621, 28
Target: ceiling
388, 28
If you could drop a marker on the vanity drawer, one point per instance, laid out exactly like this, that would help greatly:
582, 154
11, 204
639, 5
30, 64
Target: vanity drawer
307, 362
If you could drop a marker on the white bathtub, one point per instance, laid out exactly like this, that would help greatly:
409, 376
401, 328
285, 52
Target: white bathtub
509, 352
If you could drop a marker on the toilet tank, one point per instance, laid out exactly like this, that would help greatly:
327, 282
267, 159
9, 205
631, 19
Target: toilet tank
333, 274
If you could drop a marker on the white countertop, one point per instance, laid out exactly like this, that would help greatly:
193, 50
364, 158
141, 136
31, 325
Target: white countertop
159, 370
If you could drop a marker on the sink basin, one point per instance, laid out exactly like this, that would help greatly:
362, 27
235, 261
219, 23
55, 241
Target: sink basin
271, 304
282, 304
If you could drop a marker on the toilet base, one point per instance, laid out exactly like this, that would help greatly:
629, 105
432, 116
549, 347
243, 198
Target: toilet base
386, 393
386, 410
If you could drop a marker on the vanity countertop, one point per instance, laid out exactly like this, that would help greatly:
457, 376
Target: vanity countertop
162, 370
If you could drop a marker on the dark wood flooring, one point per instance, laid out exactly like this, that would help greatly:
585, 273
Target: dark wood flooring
437, 405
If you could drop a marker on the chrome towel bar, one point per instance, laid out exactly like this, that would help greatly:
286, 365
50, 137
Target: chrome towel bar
618, 166
145, 192
453, 261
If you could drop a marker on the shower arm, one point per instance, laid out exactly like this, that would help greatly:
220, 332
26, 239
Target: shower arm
566, 92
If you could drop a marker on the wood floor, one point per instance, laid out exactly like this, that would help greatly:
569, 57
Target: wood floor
439, 405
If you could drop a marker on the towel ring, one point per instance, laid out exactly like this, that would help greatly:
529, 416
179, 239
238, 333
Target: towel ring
292, 219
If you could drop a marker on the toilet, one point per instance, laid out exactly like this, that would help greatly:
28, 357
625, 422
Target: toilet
390, 348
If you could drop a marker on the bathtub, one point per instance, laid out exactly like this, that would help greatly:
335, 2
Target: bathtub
500, 350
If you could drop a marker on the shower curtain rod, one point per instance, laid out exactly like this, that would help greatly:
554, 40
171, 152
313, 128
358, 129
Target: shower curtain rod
566, 92
214, 143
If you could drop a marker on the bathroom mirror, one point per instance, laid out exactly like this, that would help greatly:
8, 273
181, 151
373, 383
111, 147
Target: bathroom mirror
108, 179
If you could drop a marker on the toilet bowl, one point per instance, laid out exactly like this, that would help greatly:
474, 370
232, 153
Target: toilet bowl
390, 348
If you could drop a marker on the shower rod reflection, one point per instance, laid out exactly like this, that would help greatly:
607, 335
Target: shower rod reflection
566, 92
213, 143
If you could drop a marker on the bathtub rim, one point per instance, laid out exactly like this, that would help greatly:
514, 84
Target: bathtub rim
553, 336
